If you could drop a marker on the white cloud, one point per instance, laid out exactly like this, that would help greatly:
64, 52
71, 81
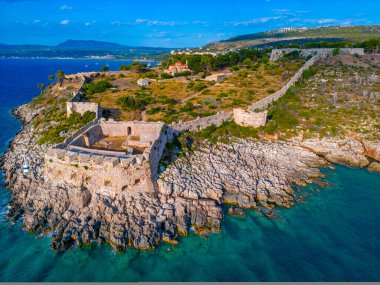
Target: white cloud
120, 23
158, 34
66, 7
253, 21
157, 23
322, 21
87, 24
200, 22
37, 21
342, 22
64, 22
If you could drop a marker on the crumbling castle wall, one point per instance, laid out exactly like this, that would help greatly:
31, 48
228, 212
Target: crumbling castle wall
108, 172
82, 107
248, 118
76, 103
263, 103
97, 172
202, 123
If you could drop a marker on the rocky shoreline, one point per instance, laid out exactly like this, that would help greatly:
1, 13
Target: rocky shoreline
189, 193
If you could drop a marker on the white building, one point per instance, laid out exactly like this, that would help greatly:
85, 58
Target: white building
143, 82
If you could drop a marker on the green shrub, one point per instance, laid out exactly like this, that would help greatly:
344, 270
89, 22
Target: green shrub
188, 107
308, 73
185, 73
96, 87
270, 127
154, 110
131, 103
74, 122
166, 76
336, 51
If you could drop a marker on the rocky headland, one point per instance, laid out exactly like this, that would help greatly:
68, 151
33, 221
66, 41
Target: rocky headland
189, 193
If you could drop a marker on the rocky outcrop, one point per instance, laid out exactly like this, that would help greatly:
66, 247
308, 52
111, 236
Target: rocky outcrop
249, 174
372, 149
374, 166
346, 151
189, 193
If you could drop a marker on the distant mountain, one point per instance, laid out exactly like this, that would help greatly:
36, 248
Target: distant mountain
271, 38
93, 45
82, 48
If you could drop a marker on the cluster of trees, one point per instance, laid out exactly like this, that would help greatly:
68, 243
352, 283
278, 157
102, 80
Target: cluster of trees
136, 66
371, 45
206, 63
59, 76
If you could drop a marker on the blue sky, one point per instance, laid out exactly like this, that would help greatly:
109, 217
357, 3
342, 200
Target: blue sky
185, 23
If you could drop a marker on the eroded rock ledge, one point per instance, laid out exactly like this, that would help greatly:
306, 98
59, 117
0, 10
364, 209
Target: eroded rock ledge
189, 193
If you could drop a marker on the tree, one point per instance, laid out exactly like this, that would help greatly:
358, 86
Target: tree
104, 68
60, 77
51, 76
336, 51
41, 86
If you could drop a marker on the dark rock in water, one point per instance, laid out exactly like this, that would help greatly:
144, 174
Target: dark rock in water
235, 211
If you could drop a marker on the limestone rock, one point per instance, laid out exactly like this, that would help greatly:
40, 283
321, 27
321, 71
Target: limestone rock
342, 151
374, 166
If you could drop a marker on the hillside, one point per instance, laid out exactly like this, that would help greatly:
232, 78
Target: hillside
80, 49
91, 44
299, 35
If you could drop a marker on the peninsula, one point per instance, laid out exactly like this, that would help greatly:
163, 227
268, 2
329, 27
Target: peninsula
144, 155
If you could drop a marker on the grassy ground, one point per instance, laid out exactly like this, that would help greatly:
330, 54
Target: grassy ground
52, 124
335, 99
165, 100
328, 101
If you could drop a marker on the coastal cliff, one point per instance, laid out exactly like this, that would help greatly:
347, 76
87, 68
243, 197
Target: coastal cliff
244, 167
190, 193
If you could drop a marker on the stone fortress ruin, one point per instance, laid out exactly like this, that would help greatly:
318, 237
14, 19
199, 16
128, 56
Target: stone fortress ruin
107, 157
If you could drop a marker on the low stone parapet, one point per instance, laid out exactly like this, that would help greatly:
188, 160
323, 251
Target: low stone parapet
202, 123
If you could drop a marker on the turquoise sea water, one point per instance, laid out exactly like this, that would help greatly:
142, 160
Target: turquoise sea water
333, 235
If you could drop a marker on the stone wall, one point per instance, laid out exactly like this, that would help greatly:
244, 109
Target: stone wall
263, 103
321, 52
82, 107
202, 123
107, 171
98, 173
248, 118
76, 103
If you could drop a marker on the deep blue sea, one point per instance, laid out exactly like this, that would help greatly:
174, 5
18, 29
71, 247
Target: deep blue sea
333, 235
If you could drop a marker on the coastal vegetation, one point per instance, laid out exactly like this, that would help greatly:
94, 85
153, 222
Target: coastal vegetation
51, 123
321, 37
250, 78
206, 63
95, 87
64, 126
330, 99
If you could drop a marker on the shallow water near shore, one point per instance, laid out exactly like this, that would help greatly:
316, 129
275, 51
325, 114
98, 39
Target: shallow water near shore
332, 235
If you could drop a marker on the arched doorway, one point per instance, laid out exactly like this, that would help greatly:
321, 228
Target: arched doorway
129, 131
